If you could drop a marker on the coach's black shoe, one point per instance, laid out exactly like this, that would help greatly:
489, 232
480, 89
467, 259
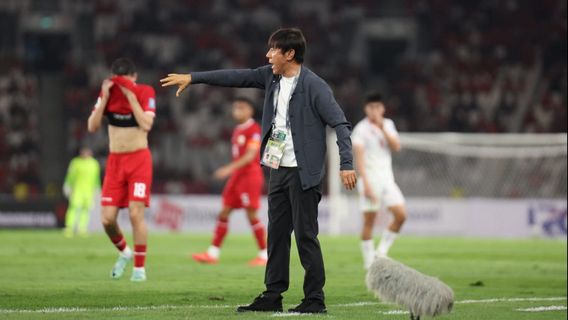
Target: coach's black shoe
263, 303
310, 306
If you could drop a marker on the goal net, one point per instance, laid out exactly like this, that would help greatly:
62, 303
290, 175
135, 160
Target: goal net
476, 165
452, 165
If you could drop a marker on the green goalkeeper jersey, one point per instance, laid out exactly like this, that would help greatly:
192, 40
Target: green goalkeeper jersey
83, 175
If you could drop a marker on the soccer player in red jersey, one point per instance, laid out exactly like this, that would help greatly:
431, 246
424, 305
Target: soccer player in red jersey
130, 110
244, 187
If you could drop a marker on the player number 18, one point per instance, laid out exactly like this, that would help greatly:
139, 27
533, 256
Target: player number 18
139, 189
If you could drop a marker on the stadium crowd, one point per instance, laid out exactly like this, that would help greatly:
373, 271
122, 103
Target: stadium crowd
19, 148
490, 66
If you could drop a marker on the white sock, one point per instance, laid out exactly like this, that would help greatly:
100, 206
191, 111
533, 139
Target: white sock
263, 254
386, 242
214, 252
127, 252
368, 250
140, 269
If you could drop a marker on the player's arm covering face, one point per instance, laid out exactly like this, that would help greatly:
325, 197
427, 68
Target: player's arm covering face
95, 119
148, 98
143, 104
127, 104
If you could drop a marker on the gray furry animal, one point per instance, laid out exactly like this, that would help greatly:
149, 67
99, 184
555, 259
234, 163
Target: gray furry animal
392, 281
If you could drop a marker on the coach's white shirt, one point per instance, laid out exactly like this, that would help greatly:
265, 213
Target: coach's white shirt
378, 158
289, 158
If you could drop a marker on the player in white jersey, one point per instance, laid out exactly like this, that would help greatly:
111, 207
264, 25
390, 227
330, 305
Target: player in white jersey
374, 139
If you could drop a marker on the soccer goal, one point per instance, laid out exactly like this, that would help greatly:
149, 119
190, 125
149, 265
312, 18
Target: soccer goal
465, 166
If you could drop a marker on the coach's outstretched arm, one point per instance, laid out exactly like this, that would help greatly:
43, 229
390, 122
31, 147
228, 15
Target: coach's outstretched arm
240, 78
96, 117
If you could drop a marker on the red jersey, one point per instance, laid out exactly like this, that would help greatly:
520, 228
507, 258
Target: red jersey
244, 136
117, 102
147, 97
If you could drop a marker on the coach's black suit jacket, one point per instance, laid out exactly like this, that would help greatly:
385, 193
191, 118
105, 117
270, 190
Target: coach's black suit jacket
312, 107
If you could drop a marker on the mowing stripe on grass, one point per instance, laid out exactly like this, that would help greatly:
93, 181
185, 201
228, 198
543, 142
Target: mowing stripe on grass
189, 306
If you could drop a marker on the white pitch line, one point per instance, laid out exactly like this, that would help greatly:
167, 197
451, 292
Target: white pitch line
117, 308
544, 308
357, 304
163, 307
295, 314
534, 299
395, 312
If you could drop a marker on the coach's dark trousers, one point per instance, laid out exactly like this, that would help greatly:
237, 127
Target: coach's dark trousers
292, 209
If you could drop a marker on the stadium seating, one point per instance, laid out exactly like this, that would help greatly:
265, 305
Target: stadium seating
471, 72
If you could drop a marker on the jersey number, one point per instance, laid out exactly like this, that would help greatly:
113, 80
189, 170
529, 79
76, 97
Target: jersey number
139, 190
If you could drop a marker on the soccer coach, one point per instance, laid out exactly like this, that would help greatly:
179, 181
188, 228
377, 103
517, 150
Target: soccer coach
297, 107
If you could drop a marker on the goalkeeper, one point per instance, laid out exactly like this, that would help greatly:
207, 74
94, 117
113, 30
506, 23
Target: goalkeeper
81, 183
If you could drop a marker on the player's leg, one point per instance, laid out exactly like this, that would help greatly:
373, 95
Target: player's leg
259, 232
367, 242
230, 201
250, 190
110, 224
114, 196
109, 220
85, 215
139, 182
71, 217
211, 256
394, 201
140, 232
390, 234
370, 210
399, 214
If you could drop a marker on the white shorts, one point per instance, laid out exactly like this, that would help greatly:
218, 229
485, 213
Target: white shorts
388, 194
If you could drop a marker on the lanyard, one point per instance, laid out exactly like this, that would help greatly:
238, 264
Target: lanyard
275, 101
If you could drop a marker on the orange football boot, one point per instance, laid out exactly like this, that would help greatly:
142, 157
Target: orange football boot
204, 258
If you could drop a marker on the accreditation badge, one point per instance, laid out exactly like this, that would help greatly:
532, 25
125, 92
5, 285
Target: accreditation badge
274, 150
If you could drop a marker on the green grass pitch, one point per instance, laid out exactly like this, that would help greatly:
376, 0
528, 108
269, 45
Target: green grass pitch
45, 276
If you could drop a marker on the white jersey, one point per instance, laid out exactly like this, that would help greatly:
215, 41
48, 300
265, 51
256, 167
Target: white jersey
378, 158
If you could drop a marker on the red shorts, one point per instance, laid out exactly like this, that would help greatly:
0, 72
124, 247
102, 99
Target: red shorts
128, 177
243, 191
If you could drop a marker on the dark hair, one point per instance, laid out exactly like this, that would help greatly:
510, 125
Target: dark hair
287, 39
123, 67
373, 97
245, 100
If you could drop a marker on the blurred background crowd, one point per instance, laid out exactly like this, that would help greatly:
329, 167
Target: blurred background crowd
488, 67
